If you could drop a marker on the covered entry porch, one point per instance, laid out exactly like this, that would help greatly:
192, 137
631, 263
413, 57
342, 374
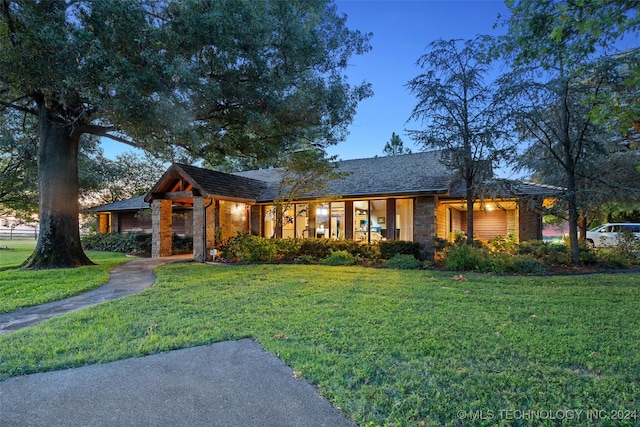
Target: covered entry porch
215, 201
494, 218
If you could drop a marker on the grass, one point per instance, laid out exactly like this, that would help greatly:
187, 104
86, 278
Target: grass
22, 288
387, 347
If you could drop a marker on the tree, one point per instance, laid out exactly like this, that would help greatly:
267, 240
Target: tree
18, 169
305, 172
600, 24
561, 71
456, 105
215, 78
129, 175
395, 146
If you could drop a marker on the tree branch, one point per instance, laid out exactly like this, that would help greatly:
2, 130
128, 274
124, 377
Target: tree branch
103, 131
10, 105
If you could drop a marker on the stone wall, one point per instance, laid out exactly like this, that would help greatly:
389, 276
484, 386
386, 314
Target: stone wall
529, 223
161, 220
424, 218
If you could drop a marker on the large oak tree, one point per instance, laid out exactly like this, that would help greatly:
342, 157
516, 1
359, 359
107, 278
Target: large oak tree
215, 78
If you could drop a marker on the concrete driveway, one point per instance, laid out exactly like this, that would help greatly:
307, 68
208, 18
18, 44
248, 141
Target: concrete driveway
235, 383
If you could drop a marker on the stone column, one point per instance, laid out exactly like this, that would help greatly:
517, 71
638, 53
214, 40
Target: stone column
424, 219
255, 219
199, 249
529, 223
210, 215
161, 228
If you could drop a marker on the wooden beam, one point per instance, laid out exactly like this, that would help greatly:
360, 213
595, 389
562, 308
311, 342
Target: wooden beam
176, 195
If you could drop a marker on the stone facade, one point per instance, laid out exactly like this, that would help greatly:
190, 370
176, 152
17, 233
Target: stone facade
162, 231
529, 223
424, 218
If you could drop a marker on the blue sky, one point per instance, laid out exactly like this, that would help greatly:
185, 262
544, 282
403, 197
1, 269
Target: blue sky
401, 29
401, 32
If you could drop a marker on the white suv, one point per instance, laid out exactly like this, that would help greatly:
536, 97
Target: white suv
610, 234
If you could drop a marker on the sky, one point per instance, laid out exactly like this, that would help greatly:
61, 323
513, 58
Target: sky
401, 29
401, 32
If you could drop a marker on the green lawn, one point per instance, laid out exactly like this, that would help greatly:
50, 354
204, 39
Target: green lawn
21, 288
387, 347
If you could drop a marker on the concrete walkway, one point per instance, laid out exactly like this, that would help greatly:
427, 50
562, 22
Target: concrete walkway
124, 280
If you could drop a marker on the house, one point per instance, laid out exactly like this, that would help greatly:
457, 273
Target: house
407, 197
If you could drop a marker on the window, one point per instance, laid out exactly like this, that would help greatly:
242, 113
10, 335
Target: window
377, 217
322, 220
302, 220
288, 223
337, 220
269, 221
404, 219
361, 221
369, 220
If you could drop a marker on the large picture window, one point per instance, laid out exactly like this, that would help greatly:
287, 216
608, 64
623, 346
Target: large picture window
369, 220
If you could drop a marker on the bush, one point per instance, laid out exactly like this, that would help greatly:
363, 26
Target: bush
247, 248
315, 248
118, 242
181, 245
468, 258
613, 258
507, 244
550, 253
337, 258
527, 265
463, 258
402, 262
390, 248
287, 249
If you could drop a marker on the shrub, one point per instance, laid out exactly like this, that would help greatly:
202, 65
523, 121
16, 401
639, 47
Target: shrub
402, 262
247, 248
613, 258
550, 253
587, 255
527, 265
337, 258
628, 245
117, 242
181, 245
529, 247
390, 248
287, 249
314, 247
508, 244
463, 258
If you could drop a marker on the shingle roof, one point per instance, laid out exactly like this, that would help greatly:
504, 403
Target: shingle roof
223, 184
508, 188
408, 174
394, 175
134, 204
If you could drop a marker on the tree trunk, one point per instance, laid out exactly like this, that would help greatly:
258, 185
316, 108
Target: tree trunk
471, 198
59, 237
573, 220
